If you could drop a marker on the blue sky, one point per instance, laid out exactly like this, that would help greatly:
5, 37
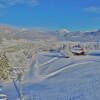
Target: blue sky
51, 14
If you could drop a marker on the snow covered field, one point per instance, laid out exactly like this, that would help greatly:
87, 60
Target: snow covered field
53, 77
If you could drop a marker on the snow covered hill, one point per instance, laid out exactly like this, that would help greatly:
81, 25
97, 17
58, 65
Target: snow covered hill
53, 77
82, 36
47, 73
8, 32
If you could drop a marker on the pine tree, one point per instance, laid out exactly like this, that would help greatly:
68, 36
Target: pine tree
4, 67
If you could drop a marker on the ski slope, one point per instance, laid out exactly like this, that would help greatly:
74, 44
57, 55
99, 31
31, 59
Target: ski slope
53, 77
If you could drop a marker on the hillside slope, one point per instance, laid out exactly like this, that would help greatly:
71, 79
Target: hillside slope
53, 77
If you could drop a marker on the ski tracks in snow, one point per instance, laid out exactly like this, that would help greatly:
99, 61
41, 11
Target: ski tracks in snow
43, 77
45, 63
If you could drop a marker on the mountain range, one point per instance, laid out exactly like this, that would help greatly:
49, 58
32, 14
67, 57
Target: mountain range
8, 32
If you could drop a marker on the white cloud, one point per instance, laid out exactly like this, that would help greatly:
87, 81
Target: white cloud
92, 9
8, 3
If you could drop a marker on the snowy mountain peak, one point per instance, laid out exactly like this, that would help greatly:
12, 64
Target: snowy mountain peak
24, 29
64, 30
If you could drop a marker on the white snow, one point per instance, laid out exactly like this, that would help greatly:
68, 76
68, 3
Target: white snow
53, 77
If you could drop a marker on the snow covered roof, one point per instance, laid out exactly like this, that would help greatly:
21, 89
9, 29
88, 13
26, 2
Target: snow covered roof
76, 51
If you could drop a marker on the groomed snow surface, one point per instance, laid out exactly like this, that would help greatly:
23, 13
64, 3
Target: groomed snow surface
53, 77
